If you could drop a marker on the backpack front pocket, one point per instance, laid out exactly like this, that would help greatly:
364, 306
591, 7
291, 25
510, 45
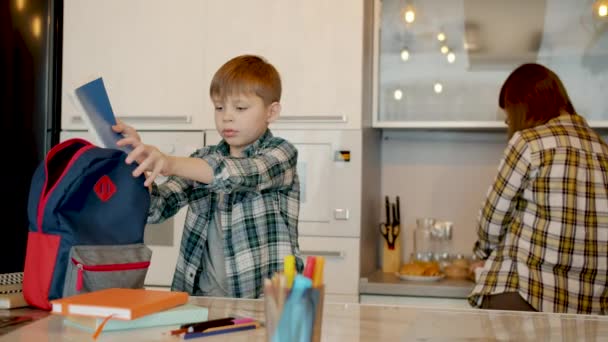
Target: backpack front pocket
92, 268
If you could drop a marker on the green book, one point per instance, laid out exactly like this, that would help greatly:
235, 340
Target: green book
183, 314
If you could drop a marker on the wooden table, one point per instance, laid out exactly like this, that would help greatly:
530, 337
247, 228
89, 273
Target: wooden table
352, 322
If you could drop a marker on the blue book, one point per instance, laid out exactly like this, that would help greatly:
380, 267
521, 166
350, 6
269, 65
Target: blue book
98, 114
183, 314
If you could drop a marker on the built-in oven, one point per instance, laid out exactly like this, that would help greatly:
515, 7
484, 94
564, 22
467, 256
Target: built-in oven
329, 169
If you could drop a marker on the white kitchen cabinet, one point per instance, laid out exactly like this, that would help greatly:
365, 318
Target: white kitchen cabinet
316, 45
149, 54
422, 302
341, 270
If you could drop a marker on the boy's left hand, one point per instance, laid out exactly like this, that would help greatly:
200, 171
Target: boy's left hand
148, 157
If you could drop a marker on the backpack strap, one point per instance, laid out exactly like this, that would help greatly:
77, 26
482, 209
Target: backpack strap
56, 165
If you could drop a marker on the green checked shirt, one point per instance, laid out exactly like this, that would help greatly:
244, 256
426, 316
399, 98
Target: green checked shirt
544, 225
258, 214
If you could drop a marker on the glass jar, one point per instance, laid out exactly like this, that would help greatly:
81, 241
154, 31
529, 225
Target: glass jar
442, 233
424, 246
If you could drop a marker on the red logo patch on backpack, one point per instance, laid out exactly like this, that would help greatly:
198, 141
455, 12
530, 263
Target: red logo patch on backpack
104, 188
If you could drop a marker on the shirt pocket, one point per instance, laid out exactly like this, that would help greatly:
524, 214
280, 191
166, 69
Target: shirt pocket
92, 268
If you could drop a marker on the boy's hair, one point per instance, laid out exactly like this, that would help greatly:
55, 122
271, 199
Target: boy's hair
247, 74
533, 95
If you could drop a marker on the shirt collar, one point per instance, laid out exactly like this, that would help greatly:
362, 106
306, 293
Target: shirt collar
573, 119
250, 150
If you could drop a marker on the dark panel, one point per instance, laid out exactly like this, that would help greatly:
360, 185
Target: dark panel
29, 110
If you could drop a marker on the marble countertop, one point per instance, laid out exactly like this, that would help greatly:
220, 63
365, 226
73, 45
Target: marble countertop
380, 283
354, 322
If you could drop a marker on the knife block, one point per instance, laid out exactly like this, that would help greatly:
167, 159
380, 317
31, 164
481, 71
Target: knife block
391, 258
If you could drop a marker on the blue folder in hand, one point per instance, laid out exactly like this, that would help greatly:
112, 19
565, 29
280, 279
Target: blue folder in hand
98, 114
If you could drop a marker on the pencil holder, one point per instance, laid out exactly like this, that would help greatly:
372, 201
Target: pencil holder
300, 318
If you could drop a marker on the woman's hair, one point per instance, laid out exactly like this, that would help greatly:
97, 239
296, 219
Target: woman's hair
247, 74
531, 96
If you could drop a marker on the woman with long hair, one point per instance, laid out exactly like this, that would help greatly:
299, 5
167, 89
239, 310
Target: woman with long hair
543, 229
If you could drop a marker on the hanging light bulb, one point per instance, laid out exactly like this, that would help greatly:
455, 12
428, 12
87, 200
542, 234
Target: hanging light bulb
600, 8
438, 87
409, 15
451, 57
441, 36
405, 54
398, 94
444, 49
20, 4
36, 26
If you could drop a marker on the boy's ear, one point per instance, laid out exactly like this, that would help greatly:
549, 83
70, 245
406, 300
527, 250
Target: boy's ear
274, 110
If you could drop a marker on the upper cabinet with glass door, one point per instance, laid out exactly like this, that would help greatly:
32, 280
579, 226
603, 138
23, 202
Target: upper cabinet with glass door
441, 63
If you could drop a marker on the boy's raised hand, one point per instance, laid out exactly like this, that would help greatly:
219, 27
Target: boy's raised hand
148, 157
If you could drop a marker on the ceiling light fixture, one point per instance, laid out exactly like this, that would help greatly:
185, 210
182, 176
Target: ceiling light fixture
441, 36
444, 49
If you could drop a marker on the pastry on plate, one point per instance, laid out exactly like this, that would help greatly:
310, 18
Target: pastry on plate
412, 269
421, 268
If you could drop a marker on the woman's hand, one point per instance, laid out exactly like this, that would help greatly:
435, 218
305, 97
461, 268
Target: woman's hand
476, 264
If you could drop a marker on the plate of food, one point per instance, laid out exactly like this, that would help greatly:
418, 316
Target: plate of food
421, 271
420, 278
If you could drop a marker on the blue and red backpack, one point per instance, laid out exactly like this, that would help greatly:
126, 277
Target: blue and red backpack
87, 215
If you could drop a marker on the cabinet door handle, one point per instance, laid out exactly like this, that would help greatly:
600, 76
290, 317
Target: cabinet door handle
330, 254
178, 119
312, 119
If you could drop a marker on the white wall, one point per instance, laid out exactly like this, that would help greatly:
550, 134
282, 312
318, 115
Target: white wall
440, 174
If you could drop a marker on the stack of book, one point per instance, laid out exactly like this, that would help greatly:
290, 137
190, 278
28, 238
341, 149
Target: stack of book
11, 290
120, 309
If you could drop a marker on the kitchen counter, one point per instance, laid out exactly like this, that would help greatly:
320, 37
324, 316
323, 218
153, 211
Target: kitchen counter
356, 322
380, 283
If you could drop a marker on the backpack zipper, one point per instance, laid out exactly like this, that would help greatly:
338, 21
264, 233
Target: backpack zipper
105, 268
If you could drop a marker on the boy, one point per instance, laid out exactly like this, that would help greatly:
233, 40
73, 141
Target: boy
243, 195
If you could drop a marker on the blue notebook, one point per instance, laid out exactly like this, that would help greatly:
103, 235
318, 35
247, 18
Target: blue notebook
183, 314
98, 114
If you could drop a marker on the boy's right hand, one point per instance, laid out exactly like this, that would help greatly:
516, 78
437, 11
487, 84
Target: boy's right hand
148, 157
126, 130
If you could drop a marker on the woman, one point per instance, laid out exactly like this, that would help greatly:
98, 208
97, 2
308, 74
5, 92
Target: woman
544, 226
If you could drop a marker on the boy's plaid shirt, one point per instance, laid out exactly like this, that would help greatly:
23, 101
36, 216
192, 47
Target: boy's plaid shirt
258, 213
544, 225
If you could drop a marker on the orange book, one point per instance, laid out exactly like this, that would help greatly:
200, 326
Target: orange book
125, 304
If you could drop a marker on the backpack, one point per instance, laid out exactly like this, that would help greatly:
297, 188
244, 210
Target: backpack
87, 215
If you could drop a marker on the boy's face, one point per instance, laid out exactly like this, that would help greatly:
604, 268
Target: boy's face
242, 118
